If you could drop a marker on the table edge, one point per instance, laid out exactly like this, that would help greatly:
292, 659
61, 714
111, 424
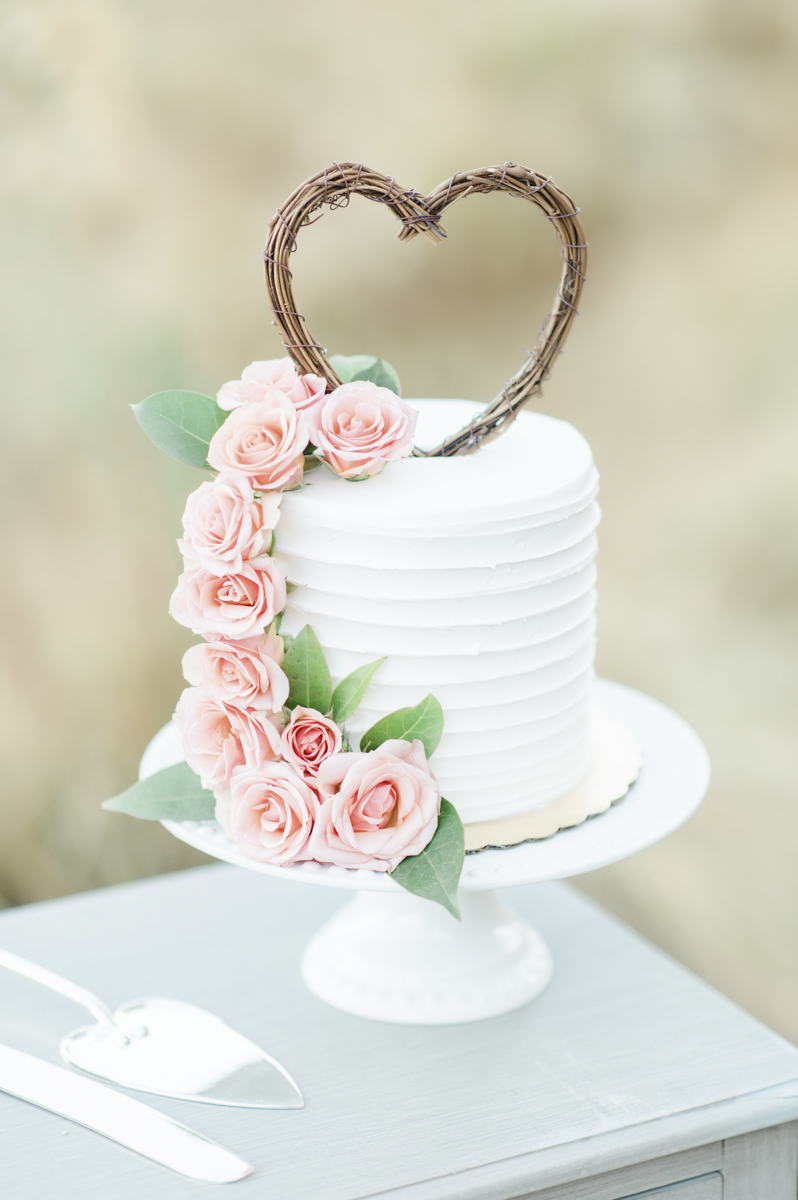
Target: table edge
509, 1178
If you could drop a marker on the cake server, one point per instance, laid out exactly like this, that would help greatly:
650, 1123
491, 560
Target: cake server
118, 1117
168, 1048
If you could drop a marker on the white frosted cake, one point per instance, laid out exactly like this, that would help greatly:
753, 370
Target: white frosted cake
474, 576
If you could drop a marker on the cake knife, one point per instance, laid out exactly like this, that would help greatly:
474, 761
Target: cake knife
167, 1047
118, 1117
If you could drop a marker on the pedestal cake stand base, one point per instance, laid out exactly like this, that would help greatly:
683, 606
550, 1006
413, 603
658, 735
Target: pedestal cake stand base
393, 957
401, 959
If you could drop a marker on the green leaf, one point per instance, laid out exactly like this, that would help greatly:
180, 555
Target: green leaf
435, 873
174, 794
308, 673
351, 690
312, 463
368, 367
425, 721
181, 423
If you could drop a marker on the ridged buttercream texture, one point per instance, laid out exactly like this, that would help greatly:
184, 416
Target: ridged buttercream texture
474, 576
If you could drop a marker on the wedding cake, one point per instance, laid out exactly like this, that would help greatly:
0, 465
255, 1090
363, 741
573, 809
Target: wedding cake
474, 577
394, 600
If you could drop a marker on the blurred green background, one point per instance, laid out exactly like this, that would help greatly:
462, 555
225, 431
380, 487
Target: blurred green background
145, 146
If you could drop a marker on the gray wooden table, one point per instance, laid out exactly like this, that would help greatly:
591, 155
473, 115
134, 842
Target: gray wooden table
627, 1076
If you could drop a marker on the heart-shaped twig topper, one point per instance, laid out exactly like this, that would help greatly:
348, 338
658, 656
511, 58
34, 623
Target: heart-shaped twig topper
422, 214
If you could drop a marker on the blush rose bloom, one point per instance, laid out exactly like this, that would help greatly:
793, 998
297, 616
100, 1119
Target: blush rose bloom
360, 427
308, 740
236, 605
225, 525
217, 737
304, 391
244, 674
268, 813
377, 808
263, 441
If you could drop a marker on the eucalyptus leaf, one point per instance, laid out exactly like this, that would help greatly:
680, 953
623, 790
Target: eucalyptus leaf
173, 794
366, 366
384, 375
435, 873
348, 366
181, 423
424, 721
308, 673
352, 689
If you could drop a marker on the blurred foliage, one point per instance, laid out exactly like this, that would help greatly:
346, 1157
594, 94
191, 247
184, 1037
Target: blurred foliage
144, 147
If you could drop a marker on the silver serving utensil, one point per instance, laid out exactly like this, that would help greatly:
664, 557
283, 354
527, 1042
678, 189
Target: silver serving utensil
168, 1048
118, 1117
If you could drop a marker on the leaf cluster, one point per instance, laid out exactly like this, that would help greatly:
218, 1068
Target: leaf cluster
176, 794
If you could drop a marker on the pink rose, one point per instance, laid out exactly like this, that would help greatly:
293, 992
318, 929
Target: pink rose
217, 737
243, 674
236, 605
308, 740
263, 441
377, 808
224, 524
268, 813
305, 390
360, 427
239, 392
258, 378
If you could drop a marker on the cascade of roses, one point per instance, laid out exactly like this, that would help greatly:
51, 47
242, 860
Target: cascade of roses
285, 790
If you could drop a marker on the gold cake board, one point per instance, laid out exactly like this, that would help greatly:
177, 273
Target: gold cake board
617, 760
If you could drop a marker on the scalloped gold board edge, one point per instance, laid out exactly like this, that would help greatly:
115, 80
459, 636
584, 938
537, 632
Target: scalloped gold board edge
617, 762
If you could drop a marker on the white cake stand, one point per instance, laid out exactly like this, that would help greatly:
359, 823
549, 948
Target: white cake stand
390, 956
